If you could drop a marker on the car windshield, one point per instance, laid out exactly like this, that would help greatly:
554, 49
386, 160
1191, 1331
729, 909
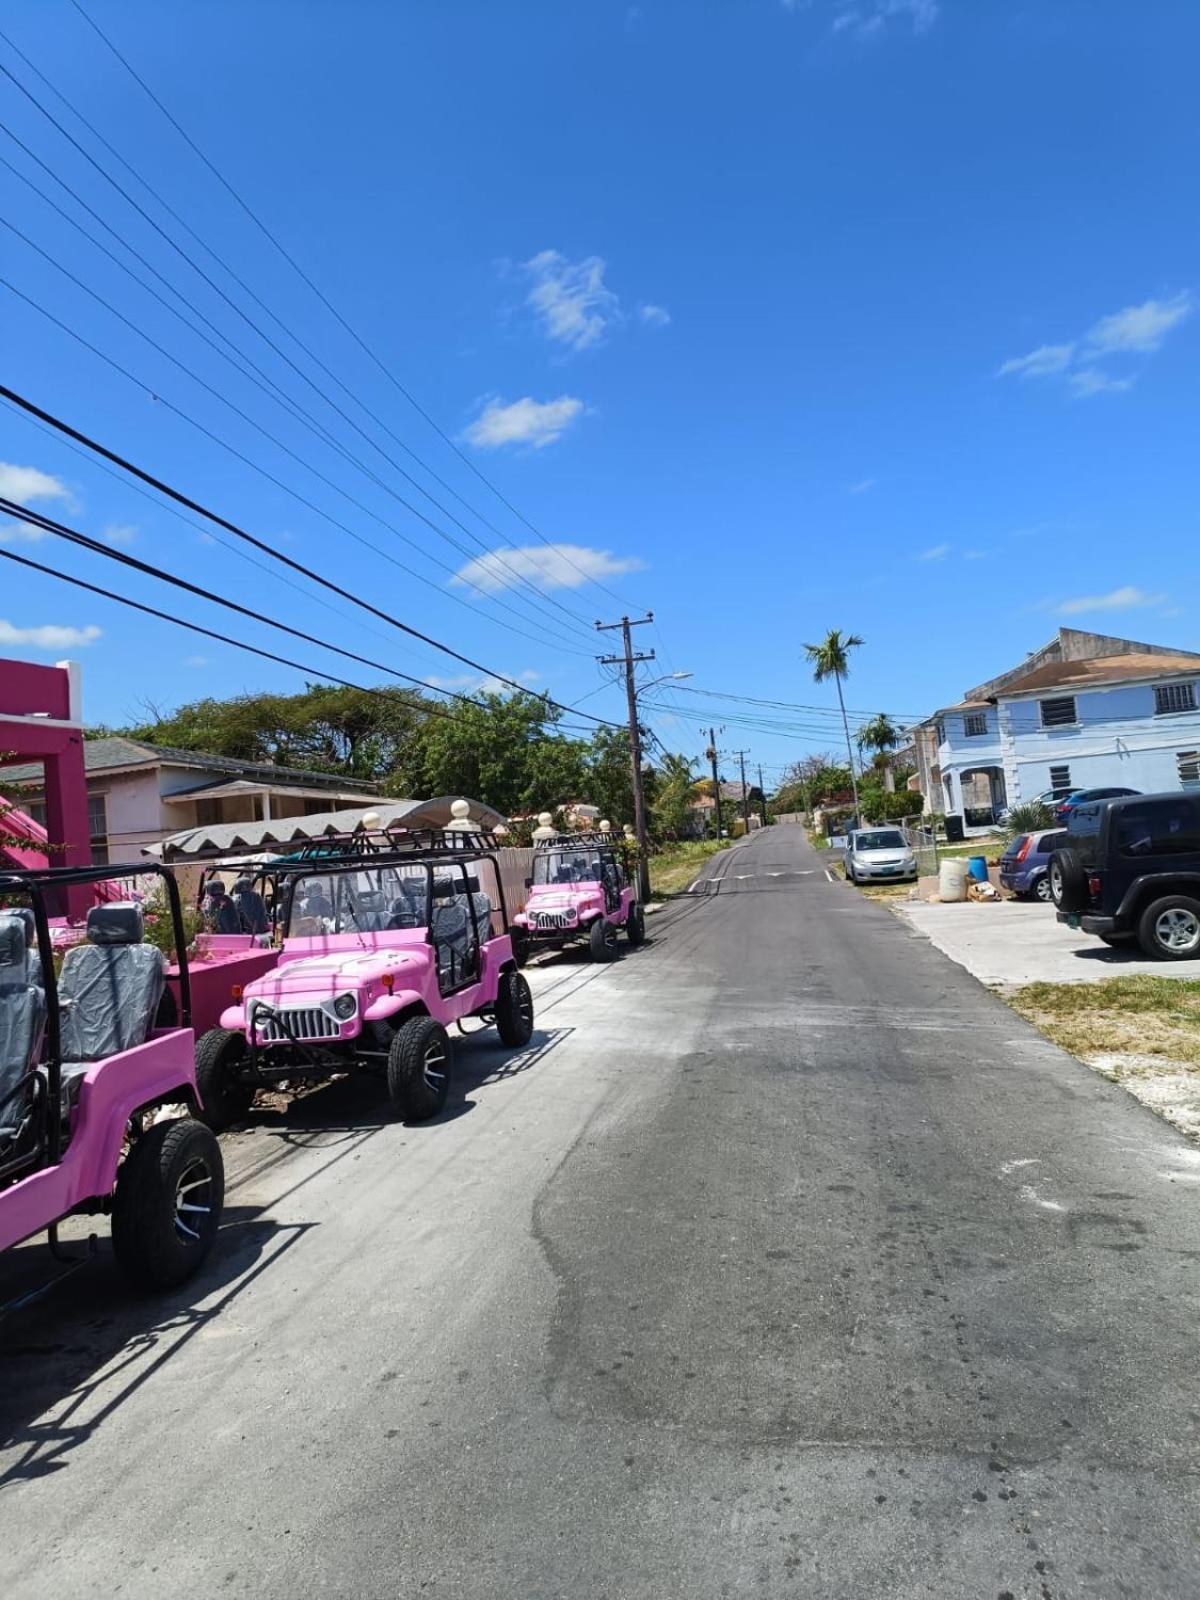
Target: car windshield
567, 866
881, 839
367, 900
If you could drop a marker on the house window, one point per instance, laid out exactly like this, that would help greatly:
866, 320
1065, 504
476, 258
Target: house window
1188, 762
1171, 697
1059, 713
939, 729
1060, 777
98, 829
975, 724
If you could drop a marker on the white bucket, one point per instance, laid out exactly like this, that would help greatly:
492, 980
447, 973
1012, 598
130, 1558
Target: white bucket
952, 880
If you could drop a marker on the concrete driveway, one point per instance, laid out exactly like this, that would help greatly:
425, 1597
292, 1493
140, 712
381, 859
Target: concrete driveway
1019, 941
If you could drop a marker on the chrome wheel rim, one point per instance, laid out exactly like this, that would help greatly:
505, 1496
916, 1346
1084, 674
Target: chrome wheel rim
1178, 929
434, 1068
193, 1199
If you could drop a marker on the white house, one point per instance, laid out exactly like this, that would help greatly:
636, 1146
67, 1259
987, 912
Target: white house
1086, 711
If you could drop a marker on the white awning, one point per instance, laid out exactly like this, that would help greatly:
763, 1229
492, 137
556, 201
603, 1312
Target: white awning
280, 833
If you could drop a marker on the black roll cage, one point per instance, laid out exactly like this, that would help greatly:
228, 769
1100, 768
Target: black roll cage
33, 885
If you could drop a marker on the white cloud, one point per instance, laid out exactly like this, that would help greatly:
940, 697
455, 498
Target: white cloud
119, 533
195, 661
1091, 380
22, 533
549, 566
937, 552
28, 483
1127, 598
571, 299
1140, 328
50, 636
527, 421
862, 486
656, 316
473, 683
1039, 363
868, 19
1137, 330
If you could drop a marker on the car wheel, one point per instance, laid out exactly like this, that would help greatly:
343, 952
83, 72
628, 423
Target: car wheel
520, 945
602, 941
1169, 929
418, 1070
850, 878
167, 1207
226, 1098
1041, 889
635, 925
514, 1010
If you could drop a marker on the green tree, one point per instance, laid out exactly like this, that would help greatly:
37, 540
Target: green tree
882, 736
831, 659
503, 752
676, 791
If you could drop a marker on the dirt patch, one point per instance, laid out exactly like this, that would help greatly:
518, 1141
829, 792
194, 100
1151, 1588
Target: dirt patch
1140, 1032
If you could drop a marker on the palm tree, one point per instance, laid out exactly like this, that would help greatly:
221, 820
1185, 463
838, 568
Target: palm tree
880, 735
831, 659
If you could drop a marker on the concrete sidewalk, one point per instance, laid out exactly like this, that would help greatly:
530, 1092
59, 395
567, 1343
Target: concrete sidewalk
1017, 941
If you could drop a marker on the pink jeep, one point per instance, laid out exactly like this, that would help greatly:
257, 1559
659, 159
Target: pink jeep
380, 954
579, 890
85, 1074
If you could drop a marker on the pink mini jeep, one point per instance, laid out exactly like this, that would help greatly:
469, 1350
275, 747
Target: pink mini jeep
83, 1071
579, 891
380, 955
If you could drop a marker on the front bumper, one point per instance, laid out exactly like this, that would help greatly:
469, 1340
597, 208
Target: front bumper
899, 874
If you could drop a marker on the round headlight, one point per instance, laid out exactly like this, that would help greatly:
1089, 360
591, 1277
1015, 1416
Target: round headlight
344, 1007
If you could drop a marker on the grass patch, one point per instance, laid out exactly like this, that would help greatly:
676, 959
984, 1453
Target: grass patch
1141, 1016
990, 847
674, 868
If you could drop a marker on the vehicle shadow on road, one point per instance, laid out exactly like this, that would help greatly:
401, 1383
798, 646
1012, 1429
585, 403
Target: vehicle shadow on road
72, 1355
481, 1067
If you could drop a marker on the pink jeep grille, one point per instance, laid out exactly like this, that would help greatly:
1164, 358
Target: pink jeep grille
553, 919
305, 1022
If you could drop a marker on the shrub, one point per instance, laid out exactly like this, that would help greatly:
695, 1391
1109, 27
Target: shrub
880, 806
1028, 818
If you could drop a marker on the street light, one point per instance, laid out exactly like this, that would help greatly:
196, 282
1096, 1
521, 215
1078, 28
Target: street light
667, 677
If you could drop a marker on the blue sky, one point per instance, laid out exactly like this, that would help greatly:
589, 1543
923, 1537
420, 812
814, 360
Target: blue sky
877, 315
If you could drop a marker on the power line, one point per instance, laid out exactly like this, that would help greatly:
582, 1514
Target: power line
266, 433
97, 448
262, 334
333, 311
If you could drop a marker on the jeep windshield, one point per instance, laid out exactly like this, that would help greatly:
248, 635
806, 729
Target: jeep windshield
367, 900
566, 866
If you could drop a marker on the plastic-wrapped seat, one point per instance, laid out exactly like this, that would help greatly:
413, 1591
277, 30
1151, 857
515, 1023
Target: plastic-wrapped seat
22, 1024
251, 907
109, 988
450, 929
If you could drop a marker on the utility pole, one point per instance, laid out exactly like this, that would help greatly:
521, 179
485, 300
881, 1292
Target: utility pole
762, 797
711, 753
741, 755
629, 661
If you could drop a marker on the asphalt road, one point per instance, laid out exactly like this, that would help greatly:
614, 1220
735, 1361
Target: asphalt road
788, 1262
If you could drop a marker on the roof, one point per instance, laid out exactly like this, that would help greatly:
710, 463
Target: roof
1101, 670
116, 753
223, 838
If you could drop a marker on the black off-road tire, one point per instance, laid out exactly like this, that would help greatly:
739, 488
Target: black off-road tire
522, 945
420, 1061
226, 1098
635, 925
167, 1209
1068, 882
514, 1010
602, 940
1183, 911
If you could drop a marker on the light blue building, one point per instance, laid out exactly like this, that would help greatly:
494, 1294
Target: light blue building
1086, 711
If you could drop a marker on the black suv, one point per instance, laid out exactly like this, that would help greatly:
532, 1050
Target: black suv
1130, 870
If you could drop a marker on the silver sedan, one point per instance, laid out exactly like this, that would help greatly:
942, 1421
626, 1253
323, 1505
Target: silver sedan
879, 855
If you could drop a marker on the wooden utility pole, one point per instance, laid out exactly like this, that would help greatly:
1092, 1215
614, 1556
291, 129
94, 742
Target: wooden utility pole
762, 797
711, 753
629, 661
741, 755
